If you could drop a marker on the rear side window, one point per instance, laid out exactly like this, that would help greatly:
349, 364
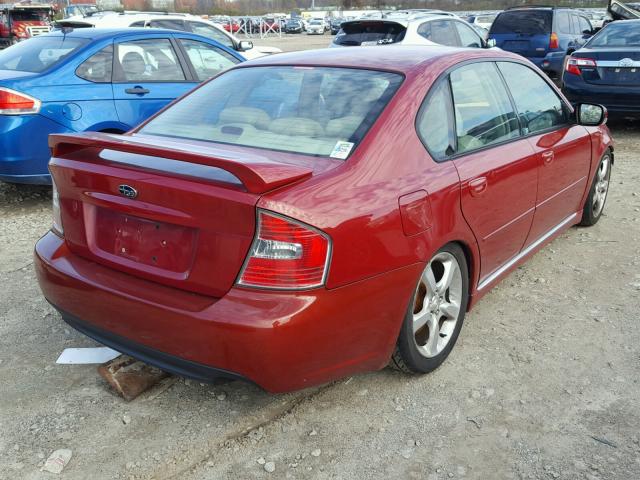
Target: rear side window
369, 33
317, 111
211, 32
539, 108
483, 110
585, 25
435, 122
207, 60
563, 22
443, 33
523, 21
468, 37
39, 53
152, 60
97, 68
169, 24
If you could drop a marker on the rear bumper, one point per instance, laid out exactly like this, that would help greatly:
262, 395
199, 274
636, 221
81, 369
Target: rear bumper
24, 151
624, 100
281, 341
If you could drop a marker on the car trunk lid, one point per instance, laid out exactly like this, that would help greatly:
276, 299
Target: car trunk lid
620, 67
177, 212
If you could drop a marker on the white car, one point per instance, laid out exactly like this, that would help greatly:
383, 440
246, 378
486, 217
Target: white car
425, 29
316, 27
482, 20
182, 22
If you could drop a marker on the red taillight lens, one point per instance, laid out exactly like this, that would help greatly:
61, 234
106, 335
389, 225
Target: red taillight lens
15, 103
574, 65
554, 41
286, 254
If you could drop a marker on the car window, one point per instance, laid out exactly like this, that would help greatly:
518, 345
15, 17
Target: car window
170, 24
320, 111
152, 60
617, 34
539, 107
585, 25
39, 54
442, 32
207, 60
97, 68
211, 32
138, 24
532, 22
563, 22
435, 122
483, 110
468, 37
369, 32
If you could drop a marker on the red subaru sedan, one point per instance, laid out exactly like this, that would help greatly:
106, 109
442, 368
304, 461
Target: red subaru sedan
312, 215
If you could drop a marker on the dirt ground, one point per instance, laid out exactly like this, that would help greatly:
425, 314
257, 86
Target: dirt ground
543, 383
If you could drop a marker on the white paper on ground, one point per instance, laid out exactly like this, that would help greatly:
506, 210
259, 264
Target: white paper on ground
82, 356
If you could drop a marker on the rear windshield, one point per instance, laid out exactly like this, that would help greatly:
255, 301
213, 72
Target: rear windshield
369, 33
617, 34
39, 53
309, 110
530, 22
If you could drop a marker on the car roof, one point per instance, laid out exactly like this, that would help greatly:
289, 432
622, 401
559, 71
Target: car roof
99, 33
403, 59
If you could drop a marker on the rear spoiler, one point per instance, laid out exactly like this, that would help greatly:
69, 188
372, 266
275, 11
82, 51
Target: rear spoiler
621, 11
258, 174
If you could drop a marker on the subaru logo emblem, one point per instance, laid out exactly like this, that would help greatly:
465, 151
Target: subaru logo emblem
626, 62
127, 191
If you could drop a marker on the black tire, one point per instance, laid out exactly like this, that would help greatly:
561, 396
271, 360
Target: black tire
592, 210
407, 356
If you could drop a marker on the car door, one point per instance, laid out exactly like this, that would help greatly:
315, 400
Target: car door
562, 148
93, 105
497, 167
148, 74
206, 60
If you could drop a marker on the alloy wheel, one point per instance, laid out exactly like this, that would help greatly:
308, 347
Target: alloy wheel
601, 186
437, 304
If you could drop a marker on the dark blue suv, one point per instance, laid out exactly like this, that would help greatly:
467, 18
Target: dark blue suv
544, 35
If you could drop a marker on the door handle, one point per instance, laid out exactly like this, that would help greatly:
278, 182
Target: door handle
547, 157
478, 186
137, 90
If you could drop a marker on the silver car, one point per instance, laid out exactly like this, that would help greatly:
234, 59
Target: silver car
316, 27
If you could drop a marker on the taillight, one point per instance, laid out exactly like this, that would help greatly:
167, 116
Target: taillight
16, 103
57, 218
554, 41
574, 65
286, 254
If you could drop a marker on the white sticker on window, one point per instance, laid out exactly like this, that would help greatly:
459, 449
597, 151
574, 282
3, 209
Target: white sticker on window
341, 150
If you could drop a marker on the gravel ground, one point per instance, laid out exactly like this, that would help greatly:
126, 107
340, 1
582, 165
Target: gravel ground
543, 383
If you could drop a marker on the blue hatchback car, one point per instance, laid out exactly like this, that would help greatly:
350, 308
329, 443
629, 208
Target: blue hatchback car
93, 80
544, 35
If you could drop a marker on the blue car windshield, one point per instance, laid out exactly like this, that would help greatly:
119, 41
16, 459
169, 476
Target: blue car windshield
318, 111
40, 53
617, 34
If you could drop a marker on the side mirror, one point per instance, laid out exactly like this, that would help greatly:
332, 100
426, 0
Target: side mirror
491, 43
591, 115
245, 45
